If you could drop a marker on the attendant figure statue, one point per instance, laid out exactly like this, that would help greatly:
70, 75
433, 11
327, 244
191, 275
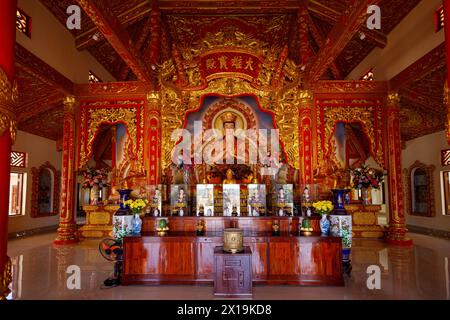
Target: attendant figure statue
306, 197
181, 196
281, 197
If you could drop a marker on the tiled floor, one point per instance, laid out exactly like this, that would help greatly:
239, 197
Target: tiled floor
420, 272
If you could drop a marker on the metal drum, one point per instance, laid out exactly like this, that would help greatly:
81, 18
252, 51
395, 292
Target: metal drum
233, 240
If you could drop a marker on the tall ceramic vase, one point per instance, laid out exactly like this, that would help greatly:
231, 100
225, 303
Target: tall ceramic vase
324, 225
137, 224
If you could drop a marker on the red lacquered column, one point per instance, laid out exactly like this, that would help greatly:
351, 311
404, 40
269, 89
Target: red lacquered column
67, 231
305, 137
8, 98
397, 226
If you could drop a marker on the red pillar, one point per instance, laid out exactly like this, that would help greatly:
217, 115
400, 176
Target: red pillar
397, 226
67, 231
8, 98
446, 4
306, 137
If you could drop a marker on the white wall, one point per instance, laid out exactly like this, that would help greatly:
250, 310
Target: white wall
54, 44
39, 151
414, 37
427, 149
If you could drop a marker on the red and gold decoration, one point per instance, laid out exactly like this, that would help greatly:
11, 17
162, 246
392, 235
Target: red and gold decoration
306, 136
179, 62
67, 231
97, 113
397, 225
153, 153
8, 103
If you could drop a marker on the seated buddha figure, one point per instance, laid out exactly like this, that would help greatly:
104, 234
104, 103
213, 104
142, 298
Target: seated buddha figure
230, 177
223, 147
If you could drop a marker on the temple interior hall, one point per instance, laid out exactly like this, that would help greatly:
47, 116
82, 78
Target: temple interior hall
208, 150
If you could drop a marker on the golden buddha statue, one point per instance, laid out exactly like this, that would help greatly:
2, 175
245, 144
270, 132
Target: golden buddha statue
229, 121
230, 177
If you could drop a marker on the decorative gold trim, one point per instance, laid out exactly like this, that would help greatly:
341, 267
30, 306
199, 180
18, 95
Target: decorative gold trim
364, 115
393, 99
69, 104
97, 117
9, 95
306, 98
284, 104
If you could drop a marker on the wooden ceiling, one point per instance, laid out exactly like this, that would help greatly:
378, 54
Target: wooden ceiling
120, 39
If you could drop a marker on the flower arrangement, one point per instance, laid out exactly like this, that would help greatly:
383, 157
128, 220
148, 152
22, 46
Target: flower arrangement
136, 205
95, 177
366, 177
323, 207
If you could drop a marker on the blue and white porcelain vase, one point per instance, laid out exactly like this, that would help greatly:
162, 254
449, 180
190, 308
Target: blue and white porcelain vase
137, 224
324, 225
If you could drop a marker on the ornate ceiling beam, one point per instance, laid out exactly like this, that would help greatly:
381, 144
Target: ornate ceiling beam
140, 41
224, 6
39, 106
332, 16
302, 21
34, 66
433, 60
126, 18
108, 90
116, 35
320, 41
423, 102
341, 34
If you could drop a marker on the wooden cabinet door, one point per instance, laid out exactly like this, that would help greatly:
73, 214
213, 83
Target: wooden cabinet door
259, 247
283, 259
205, 257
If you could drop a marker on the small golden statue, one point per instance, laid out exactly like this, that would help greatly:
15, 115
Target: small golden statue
200, 227
230, 177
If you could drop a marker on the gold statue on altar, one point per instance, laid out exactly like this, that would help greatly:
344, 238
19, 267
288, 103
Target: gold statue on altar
230, 177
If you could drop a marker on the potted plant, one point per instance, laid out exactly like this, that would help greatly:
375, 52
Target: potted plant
324, 208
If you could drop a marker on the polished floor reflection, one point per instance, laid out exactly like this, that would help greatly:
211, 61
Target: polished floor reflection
420, 272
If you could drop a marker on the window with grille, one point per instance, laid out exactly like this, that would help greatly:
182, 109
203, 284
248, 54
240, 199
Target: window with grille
93, 78
23, 23
18, 159
439, 18
368, 76
17, 190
